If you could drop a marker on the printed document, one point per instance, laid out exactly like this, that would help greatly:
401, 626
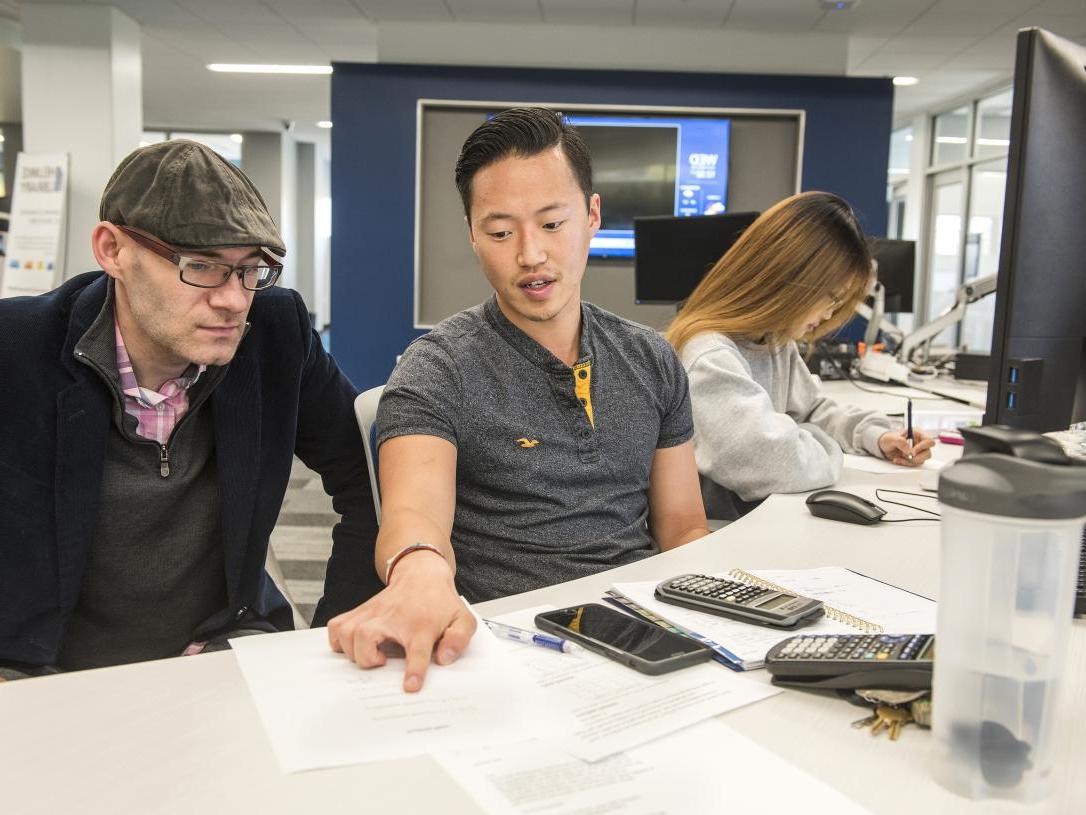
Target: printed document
321, 710
705, 768
598, 707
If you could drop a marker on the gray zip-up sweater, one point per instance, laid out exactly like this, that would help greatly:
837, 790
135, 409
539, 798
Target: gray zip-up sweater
762, 425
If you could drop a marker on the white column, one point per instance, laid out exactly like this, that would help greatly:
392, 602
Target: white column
270, 161
916, 185
81, 95
917, 203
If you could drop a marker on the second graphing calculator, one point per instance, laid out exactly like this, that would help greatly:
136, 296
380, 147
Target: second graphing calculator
890, 661
740, 601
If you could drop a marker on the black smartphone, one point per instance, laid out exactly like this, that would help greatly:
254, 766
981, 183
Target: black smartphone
643, 646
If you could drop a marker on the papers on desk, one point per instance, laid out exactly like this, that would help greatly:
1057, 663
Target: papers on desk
320, 710
606, 739
597, 707
894, 609
880, 466
705, 768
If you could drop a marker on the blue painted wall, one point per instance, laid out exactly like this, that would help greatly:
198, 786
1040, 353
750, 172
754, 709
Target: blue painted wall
373, 166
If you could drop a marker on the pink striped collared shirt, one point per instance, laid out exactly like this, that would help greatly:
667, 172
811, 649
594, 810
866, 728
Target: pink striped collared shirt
157, 412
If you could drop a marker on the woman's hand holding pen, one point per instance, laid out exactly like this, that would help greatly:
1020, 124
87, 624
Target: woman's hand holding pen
897, 448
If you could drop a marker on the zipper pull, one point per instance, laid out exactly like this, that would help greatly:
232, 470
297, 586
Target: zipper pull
163, 461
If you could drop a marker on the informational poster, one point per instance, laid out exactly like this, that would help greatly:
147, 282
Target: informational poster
35, 243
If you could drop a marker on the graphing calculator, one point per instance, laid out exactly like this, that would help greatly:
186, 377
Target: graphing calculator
730, 598
884, 661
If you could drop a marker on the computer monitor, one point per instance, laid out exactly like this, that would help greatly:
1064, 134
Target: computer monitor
673, 253
1039, 336
897, 272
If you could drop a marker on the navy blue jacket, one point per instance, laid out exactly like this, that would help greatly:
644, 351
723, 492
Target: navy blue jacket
282, 395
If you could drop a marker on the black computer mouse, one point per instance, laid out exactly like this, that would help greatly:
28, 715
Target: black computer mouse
844, 506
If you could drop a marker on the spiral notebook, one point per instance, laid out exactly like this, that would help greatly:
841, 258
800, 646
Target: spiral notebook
853, 603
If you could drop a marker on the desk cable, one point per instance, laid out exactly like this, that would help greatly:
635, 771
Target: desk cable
847, 374
907, 506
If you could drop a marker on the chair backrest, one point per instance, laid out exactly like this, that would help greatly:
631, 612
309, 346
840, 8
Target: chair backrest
365, 410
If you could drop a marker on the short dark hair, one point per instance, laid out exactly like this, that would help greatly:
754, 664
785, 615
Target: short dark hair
521, 132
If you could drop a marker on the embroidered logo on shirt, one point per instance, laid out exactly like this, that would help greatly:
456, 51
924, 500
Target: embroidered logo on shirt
527, 444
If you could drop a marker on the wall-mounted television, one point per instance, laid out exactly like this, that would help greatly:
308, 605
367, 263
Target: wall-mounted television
653, 165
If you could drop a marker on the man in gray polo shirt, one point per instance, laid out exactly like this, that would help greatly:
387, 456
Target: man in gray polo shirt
532, 439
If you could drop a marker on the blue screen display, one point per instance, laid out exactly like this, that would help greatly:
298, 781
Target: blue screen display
653, 165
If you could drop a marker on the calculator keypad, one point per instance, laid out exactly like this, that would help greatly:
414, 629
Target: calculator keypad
714, 588
851, 647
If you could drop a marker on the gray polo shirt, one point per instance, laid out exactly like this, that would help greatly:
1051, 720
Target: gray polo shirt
553, 462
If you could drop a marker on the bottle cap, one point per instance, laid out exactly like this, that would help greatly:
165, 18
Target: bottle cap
997, 484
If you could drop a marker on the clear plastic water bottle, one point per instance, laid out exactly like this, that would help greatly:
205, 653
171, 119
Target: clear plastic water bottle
1010, 543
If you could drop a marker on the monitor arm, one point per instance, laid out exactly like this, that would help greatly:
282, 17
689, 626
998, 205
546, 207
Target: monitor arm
877, 320
968, 292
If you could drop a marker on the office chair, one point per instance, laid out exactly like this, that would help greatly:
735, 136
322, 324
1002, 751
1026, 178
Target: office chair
365, 410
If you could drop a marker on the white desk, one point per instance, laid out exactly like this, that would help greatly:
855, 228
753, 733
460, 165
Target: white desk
182, 735
930, 413
974, 391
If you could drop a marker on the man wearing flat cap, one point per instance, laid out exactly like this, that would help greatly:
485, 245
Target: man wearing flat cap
148, 419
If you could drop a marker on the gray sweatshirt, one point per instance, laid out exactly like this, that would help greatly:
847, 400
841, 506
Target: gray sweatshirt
762, 425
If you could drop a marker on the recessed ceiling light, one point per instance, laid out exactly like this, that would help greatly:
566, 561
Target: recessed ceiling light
902, 81
228, 68
838, 5
237, 138
324, 123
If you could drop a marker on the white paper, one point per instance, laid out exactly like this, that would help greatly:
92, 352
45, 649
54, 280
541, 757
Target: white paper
703, 769
880, 466
597, 707
897, 611
321, 710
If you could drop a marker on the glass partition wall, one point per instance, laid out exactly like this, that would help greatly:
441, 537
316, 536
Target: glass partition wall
963, 212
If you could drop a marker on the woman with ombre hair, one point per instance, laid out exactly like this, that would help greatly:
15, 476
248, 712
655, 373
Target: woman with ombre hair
761, 423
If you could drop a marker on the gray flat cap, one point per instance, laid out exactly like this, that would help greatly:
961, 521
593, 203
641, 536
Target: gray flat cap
187, 195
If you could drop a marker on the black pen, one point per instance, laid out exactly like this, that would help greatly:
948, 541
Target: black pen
909, 424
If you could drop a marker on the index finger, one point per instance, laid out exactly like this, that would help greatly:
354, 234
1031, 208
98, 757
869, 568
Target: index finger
418, 650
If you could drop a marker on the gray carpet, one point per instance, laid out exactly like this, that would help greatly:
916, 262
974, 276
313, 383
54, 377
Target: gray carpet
302, 538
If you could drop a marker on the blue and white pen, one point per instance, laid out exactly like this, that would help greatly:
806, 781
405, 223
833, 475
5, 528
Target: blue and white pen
509, 632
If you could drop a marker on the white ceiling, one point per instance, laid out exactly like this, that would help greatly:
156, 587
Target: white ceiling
955, 47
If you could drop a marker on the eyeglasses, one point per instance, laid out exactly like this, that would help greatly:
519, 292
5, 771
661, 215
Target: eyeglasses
210, 274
